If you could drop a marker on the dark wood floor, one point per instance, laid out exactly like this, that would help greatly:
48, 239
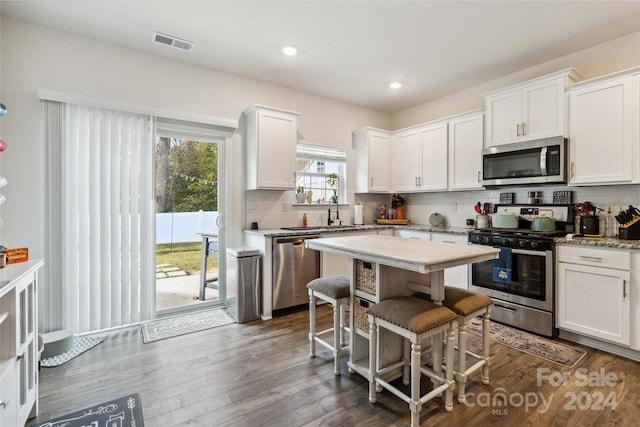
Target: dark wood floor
260, 374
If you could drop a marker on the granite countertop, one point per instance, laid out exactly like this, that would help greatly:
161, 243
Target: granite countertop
434, 228
602, 242
278, 232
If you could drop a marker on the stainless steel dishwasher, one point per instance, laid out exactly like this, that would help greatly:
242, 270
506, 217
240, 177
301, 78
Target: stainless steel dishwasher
293, 267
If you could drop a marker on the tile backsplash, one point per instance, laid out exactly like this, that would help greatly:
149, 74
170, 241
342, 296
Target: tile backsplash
275, 209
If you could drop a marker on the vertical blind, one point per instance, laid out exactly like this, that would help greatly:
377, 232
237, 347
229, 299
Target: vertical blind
106, 219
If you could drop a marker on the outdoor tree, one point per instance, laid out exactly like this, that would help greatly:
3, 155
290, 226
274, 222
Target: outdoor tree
188, 176
162, 172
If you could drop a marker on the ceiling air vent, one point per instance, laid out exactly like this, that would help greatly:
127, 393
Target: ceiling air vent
172, 41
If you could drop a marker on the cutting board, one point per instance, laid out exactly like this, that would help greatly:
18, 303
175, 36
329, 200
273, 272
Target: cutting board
393, 221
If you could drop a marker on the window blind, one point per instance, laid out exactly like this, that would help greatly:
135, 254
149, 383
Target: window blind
106, 222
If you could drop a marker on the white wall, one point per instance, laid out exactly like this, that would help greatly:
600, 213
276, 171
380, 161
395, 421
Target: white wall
456, 206
36, 57
605, 58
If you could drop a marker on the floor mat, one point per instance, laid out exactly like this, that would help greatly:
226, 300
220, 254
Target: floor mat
125, 411
168, 327
528, 343
80, 345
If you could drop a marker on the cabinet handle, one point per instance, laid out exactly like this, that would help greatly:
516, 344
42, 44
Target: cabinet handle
370, 183
448, 241
3, 404
590, 258
479, 176
524, 129
20, 357
517, 129
624, 288
572, 174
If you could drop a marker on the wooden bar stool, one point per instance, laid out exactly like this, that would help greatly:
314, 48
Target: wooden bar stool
468, 305
414, 319
336, 291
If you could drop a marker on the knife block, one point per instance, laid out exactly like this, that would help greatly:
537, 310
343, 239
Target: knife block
630, 230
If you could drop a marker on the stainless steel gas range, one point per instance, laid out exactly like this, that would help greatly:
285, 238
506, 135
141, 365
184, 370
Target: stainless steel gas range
522, 280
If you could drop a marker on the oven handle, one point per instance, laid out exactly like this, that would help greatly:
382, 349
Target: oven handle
525, 252
513, 310
522, 251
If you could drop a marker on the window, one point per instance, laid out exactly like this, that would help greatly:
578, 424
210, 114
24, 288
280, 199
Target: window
315, 168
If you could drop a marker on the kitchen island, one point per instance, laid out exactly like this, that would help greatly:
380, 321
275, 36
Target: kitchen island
386, 266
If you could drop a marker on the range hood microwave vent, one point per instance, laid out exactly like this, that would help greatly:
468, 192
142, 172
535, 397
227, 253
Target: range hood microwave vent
172, 41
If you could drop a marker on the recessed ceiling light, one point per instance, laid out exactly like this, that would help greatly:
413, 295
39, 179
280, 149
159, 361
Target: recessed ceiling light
289, 50
395, 85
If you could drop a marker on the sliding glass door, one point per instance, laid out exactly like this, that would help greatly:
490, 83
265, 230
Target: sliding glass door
189, 213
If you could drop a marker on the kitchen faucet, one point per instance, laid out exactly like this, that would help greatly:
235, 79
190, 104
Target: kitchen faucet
331, 221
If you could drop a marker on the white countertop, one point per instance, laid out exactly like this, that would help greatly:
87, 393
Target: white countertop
12, 272
423, 256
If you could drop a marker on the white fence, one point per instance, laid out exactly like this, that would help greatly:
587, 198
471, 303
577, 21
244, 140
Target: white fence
181, 227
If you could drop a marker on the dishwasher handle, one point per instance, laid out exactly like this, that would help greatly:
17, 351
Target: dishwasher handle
296, 240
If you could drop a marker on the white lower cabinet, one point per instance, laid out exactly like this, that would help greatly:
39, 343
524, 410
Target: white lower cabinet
457, 276
19, 343
411, 234
8, 396
333, 264
594, 293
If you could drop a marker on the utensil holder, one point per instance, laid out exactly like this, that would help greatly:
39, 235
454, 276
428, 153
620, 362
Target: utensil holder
630, 230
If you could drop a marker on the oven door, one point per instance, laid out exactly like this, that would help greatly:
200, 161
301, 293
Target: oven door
529, 282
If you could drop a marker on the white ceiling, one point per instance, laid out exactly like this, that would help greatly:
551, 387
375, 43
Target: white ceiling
351, 50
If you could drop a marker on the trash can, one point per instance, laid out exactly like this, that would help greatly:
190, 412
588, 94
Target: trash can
243, 284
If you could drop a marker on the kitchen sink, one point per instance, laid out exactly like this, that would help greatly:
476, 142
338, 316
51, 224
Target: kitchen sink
301, 228
325, 227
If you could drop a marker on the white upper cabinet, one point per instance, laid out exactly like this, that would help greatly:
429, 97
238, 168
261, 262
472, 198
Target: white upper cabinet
372, 160
433, 155
604, 140
465, 145
528, 111
418, 158
405, 160
271, 136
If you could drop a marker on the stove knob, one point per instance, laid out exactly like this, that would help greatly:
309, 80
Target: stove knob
534, 245
522, 243
506, 242
485, 239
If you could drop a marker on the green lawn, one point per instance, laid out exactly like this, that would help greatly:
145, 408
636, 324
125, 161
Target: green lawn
186, 256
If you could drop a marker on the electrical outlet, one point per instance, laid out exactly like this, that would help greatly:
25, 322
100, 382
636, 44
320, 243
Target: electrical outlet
285, 207
454, 206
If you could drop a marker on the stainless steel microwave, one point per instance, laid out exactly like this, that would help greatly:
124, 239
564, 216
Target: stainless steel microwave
531, 162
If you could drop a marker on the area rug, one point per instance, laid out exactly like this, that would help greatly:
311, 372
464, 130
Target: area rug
168, 327
125, 412
528, 343
80, 345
